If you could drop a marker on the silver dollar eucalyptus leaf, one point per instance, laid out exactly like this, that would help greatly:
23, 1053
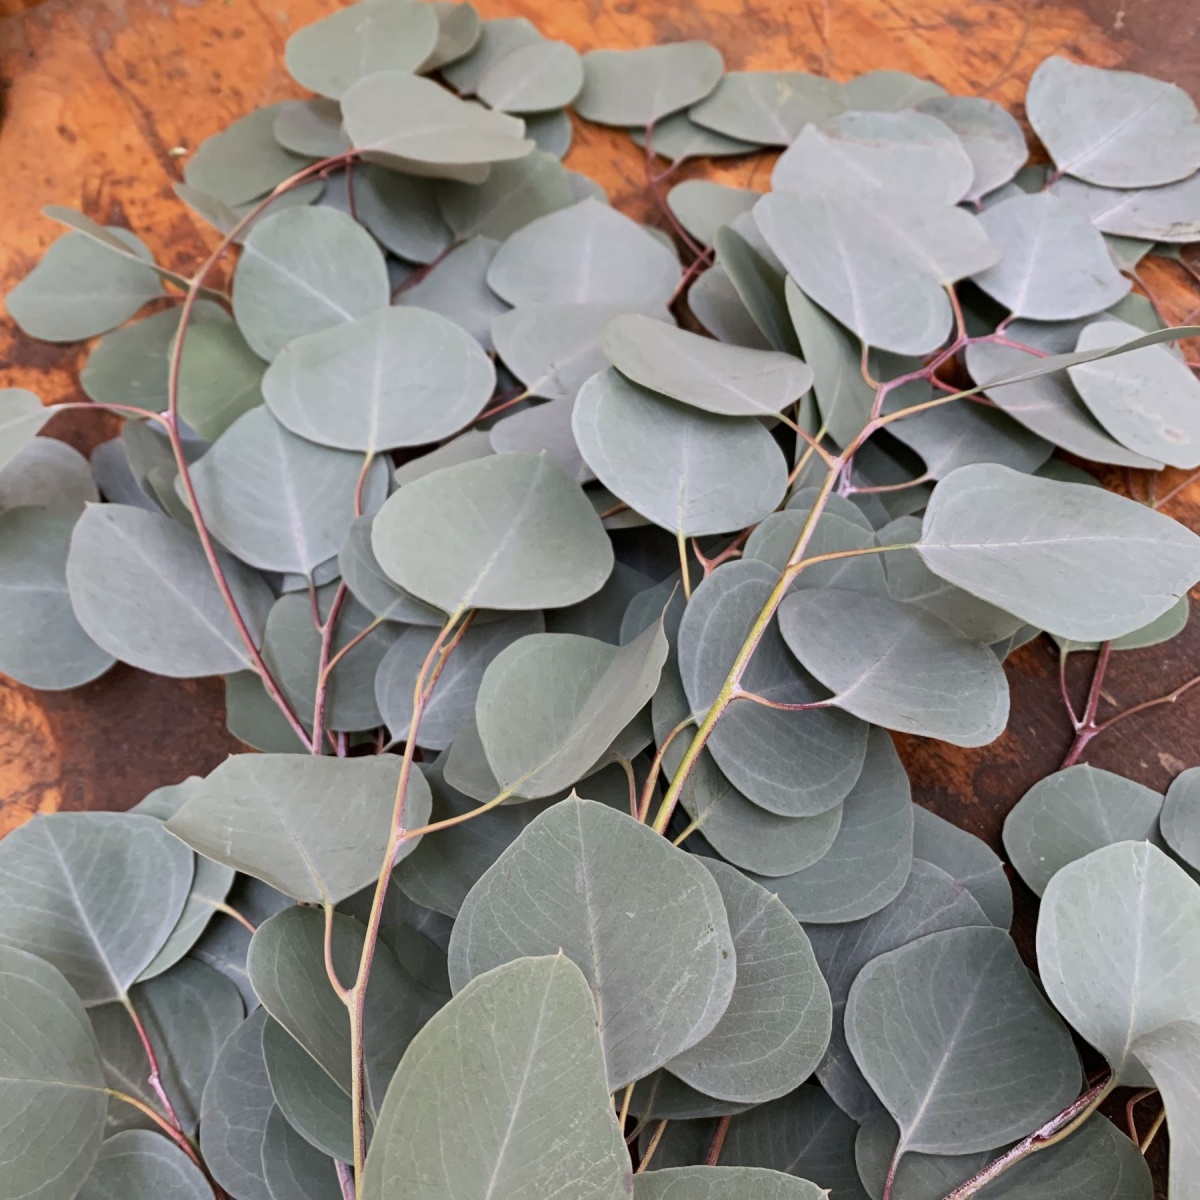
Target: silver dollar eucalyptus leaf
534, 78
678, 138
242, 162
140, 1165
498, 37
1113, 128
1048, 551
969, 860
957, 1041
48, 474
543, 428
703, 206
142, 589
723, 1183
459, 28
1158, 214
331, 55
53, 1087
990, 135
1067, 815
371, 587
638, 87
310, 127
96, 894
888, 91
403, 213
294, 1168
758, 283
513, 194
1180, 820
897, 665
396, 377
777, 1025
662, 977
512, 532
22, 414
313, 827
1172, 1054
456, 288
770, 107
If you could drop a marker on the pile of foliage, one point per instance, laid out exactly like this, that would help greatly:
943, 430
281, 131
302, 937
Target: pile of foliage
576, 859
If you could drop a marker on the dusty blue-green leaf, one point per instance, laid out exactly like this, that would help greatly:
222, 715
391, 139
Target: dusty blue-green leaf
140, 1165
601, 616
309, 1098
661, 1096
908, 154
678, 138
331, 55
1049, 405
714, 302
396, 377
418, 126
756, 746
226, 219
661, 981
512, 531
968, 860
130, 365
42, 643
22, 414
305, 270
278, 501
957, 1041
1180, 818
286, 963
1055, 266
1096, 1163
142, 589
774, 539
220, 376
586, 254
703, 206
457, 289
1113, 128
1147, 399
95, 894
1172, 1054
48, 474
498, 37
514, 1063
770, 107
313, 827
81, 287
989, 134
53, 1087
402, 211
759, 285
244, 161
543, 429
897, 665
1161, 629
888, 91
637, 87
292, 1168
553, 132
910, 580
311, 128
234, 1110
550, 705
930, 901
452, 702
533, 78
1070, 813
688, 470
1157, 214
187, 1013
513, 194
728, 380
459, 28
1048, 551
871, 857
370, 586
723, 1183
255, 719
1115, 940
776, 1027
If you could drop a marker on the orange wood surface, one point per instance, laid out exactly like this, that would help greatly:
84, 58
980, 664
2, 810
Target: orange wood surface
102, 98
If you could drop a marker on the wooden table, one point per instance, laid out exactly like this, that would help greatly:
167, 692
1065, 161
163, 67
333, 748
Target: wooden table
100, 99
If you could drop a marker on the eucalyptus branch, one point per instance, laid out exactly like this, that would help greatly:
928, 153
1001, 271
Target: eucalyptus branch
652, 1146
155, 1076
328, 629
718, 1142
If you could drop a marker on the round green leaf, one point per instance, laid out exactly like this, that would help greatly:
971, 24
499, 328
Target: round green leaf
777, 1025
53, 1088
96, 894
990, 135
368, 584
48, 474
533, 78
22, 414
139, 1165
1068, 558
770, 107
637, 87
456, 288
1157, 214
570, 881
513, 194
969, 860
310, 127
293, 1169
313, 827
511, 532
703, 206
459, 28
396, 377
723, 1183
955, 1038
304, 270
689, 471
888, 91
1180, 819
331, 55
497, 38
142, 589
897, 665
678, 138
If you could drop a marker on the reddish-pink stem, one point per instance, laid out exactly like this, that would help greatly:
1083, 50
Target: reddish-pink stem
323, 667
1087, 729
717, 1143
155, 1076
654, 183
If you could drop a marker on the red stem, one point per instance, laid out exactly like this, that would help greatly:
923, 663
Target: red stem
717, 1143
155, 1077
323, 668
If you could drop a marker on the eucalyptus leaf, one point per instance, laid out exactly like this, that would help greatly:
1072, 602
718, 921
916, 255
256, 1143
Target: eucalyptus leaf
1157, 214
513, 194
990, 135
759, 286
888, 91
459, 28
371, 587
702, 206
1172, 1054
1046, 551
48, 474
1067, 815
590, 867
723, 1183
512, 532
244, 161
956, 1039
142, 589
292, 1168
313, 827
1180, 818
456, 288
538, 1113
22, 414
638, 87
968, 859
403, 212
543, 429
139, 1165
679, 138
533, 78
770, 107
498, 37
310, 127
